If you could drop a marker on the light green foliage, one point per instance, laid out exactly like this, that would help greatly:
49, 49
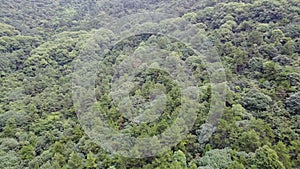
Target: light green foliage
47, 165
217, 159
288, 47
266, 158
9, 160
277, 35
236, 165
59, 160
27, 152
179, 157
7, 30
91, 161
283, 154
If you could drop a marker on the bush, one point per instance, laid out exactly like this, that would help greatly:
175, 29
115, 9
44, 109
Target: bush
254, 100
292, 104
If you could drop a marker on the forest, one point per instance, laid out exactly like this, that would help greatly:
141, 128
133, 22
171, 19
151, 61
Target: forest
241, 57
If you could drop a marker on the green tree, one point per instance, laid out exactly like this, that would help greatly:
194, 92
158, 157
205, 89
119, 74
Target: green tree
59, 160
244, 142
27, 152
10, 127
58, 148
283, 154
255, 37
91, 161
266, 158
271, 70
277, 35
217, 159
256, 101
294, 149
236, 165
75, 161
9, 160
293, 103
179, 157
288, 48
47, 165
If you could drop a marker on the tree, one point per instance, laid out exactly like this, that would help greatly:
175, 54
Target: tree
236, 165
255, 37
27, 152
288, 48
256, 64
47, 165
271, 70
75, 161
217, 159
91, 161
282, 60
59, 160
254, 100
58, 148
10, 127
246, 26
277, 34
236, 113
283, 154
292, 103
295, 152
9, 160
36, 166
7, 30
266, 158
179, 157
245, 144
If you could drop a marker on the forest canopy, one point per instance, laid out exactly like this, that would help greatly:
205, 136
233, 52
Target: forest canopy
257, 43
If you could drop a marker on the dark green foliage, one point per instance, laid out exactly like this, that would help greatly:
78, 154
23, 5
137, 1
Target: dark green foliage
293, 103
254, 100
245, 144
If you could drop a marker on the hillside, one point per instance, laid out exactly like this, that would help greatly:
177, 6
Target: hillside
62, 60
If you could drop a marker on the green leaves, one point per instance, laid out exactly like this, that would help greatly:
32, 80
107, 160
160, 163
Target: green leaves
254, 100
244, 143
91, 161
293, 104
75, 161
217, 159
9, 159
283, 154
179, 157
27, 152
266, 158
259, 45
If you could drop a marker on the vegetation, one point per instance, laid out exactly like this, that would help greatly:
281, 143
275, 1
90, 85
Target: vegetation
258, 42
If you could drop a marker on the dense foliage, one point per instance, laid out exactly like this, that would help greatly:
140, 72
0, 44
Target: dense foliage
259, 45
